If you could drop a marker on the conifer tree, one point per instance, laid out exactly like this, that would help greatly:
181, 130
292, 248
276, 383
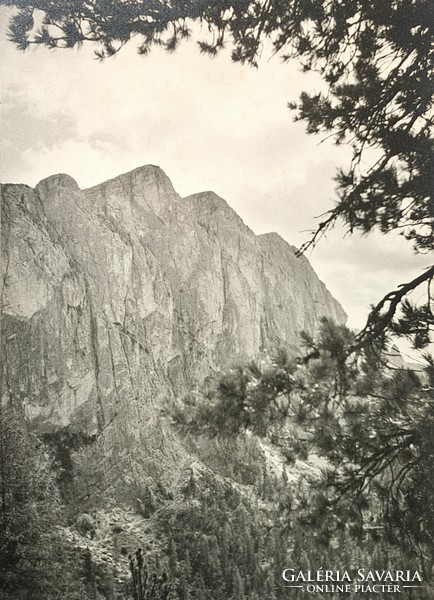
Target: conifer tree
372, 423
34, 559
147, 585
237, 586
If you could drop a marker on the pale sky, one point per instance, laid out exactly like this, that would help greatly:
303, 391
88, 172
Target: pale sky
209, 124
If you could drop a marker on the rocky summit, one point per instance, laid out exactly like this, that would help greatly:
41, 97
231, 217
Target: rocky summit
118, 297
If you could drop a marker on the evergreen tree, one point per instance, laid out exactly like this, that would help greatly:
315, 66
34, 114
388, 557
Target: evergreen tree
35, 561
237, 586
373, 424
147, 585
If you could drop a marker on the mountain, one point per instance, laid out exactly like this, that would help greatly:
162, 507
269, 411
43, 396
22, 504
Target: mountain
118, 297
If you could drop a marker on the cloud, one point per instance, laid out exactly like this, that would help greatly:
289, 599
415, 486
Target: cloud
360, 270
25, 130
210, 124
208, 119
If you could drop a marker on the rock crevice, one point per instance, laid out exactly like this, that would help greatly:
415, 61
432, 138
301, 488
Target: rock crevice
119, 296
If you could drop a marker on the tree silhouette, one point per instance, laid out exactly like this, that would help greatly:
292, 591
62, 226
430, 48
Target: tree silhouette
372, 422
146, 585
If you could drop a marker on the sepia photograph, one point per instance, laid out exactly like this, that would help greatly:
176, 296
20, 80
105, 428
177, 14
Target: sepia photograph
217, 293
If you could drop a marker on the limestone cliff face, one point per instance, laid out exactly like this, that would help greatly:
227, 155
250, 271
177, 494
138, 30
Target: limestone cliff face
118, 296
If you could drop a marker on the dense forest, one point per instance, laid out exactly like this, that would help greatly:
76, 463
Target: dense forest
320, 460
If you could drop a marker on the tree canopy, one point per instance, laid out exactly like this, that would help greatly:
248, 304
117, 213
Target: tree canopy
369, 418
376, 60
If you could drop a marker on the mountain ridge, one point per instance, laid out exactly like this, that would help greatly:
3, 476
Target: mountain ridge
124, 295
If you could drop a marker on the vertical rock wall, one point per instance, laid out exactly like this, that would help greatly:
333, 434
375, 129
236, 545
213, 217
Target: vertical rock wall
116, 297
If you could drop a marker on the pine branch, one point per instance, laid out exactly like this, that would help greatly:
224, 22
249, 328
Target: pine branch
378, 321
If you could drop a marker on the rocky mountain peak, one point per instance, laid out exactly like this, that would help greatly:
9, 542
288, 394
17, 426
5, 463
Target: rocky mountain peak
147, 188
57, 182
123, 295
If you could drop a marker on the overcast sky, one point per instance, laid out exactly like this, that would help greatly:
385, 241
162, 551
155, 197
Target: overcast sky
210, 125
